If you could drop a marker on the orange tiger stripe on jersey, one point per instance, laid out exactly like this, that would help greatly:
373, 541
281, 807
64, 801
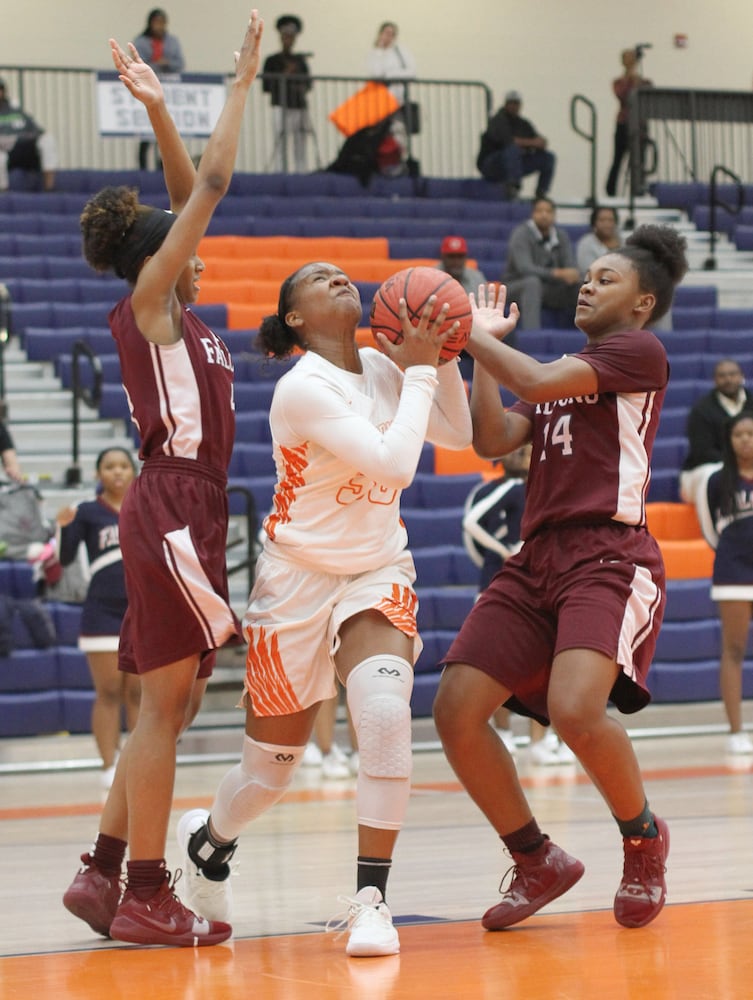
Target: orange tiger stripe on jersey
295, 461
266, 680
400, 609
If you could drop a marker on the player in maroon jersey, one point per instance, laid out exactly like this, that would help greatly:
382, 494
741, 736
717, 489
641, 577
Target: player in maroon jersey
173, 523
571, 621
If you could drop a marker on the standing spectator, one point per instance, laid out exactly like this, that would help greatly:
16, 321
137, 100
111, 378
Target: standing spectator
729, 499
570, 622
162, 51
287, 80
511, 149
8, 454
491, 534
706, 428
25, 145
391, 63
623, 87
604, 236
95, 523
540, 268
173, 522
334, 594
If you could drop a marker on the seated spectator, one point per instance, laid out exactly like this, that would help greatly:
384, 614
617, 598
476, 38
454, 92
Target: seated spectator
540, 268
24, 145
706, 428
454, 254
604, 236
511, 149
8, 456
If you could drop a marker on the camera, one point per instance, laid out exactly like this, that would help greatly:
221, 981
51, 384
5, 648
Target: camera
641, 48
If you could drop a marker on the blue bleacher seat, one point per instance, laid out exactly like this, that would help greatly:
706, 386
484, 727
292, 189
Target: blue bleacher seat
693, 317
696, 295
252, 427
113, 404
73, 670
664, 486
28, 669
237, 225
67, 618
680, 195
433, 527
213, 315
405, 247
260, 487
673, 422
684, 341
729, 343
76, 707
669, 453
254, 460
684, 392
686, 366
31, 713
735, 319
437, 567
689, 600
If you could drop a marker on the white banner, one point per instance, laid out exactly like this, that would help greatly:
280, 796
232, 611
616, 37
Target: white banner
194, 100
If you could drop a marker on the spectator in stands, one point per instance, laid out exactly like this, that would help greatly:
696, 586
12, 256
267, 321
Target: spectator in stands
540, 269
334, 595
163, 52
391, 62
287, 81
623, 87
729, 530
604, 236
570, 622
454, 261
95, 524
173, 523
26, 146
511, 149
8, 454
491, 534
706, 428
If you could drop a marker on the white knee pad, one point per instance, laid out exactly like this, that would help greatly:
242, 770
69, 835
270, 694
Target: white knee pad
378, 692
251, 787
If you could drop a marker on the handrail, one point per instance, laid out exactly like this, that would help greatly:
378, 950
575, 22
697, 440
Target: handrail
4, 333
578, 100
92, 397
252, 527
716, 201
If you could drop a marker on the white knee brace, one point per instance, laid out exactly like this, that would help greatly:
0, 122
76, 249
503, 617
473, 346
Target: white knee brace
251, 787
378, 692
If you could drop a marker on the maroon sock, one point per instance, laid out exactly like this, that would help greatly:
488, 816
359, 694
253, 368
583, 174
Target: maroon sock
108, 854
146, 877
525, 840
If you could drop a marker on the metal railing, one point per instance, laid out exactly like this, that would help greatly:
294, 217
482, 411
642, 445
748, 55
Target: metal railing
717, 201
81, 392
453, 116
589, 132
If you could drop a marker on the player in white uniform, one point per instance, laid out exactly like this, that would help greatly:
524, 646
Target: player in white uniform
334, 589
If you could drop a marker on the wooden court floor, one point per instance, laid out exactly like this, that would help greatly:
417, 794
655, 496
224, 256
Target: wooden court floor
295, 860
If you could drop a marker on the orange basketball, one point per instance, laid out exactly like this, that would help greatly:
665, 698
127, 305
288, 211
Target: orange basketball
416, 285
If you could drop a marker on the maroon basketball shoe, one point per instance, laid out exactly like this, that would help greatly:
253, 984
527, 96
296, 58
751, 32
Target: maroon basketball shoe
537, 879
643, 890
93, 896
163, 919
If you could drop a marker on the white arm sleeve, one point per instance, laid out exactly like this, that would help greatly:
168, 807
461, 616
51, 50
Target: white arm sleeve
389, 457
450, 419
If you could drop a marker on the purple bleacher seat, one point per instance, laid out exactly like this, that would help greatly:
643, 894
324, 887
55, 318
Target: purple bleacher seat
214, 315
22, 224
436, 567
65, 267
696, 295
394, 187
734, 319
113, 404
433, 527
673, 421
21, 267
687, 641
26, 314
29, 670
28, 203
30, 713
229, 225
709, 363
693, 317
684, 392
683, 341
664, 486
234, 205
669, 453
689, 600
67, 618
321, 183
77, 710
743, 236
273, 226
260, 487
257, 184
405, 247
685, 366
255, 459
723, 223
436, 491
729, 343
60, 244
680, 195
451, 605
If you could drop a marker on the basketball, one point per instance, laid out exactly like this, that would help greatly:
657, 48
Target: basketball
416, 285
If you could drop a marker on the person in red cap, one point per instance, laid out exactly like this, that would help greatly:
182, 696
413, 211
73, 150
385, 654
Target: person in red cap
454, 254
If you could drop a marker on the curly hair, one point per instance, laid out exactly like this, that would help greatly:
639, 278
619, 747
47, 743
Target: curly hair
657, 254
119, 232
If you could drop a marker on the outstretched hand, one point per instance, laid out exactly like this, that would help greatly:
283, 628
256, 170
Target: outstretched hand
138, 76
488, 310
247, 60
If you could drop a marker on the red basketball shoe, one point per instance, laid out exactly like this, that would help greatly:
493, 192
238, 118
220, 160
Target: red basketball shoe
93, 896
537, 879
163, 919
643, 890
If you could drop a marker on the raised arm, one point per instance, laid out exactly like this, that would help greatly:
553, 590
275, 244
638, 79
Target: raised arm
143, 83
154, 301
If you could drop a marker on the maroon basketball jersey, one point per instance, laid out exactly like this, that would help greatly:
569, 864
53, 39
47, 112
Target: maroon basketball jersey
591, 454
180, 395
